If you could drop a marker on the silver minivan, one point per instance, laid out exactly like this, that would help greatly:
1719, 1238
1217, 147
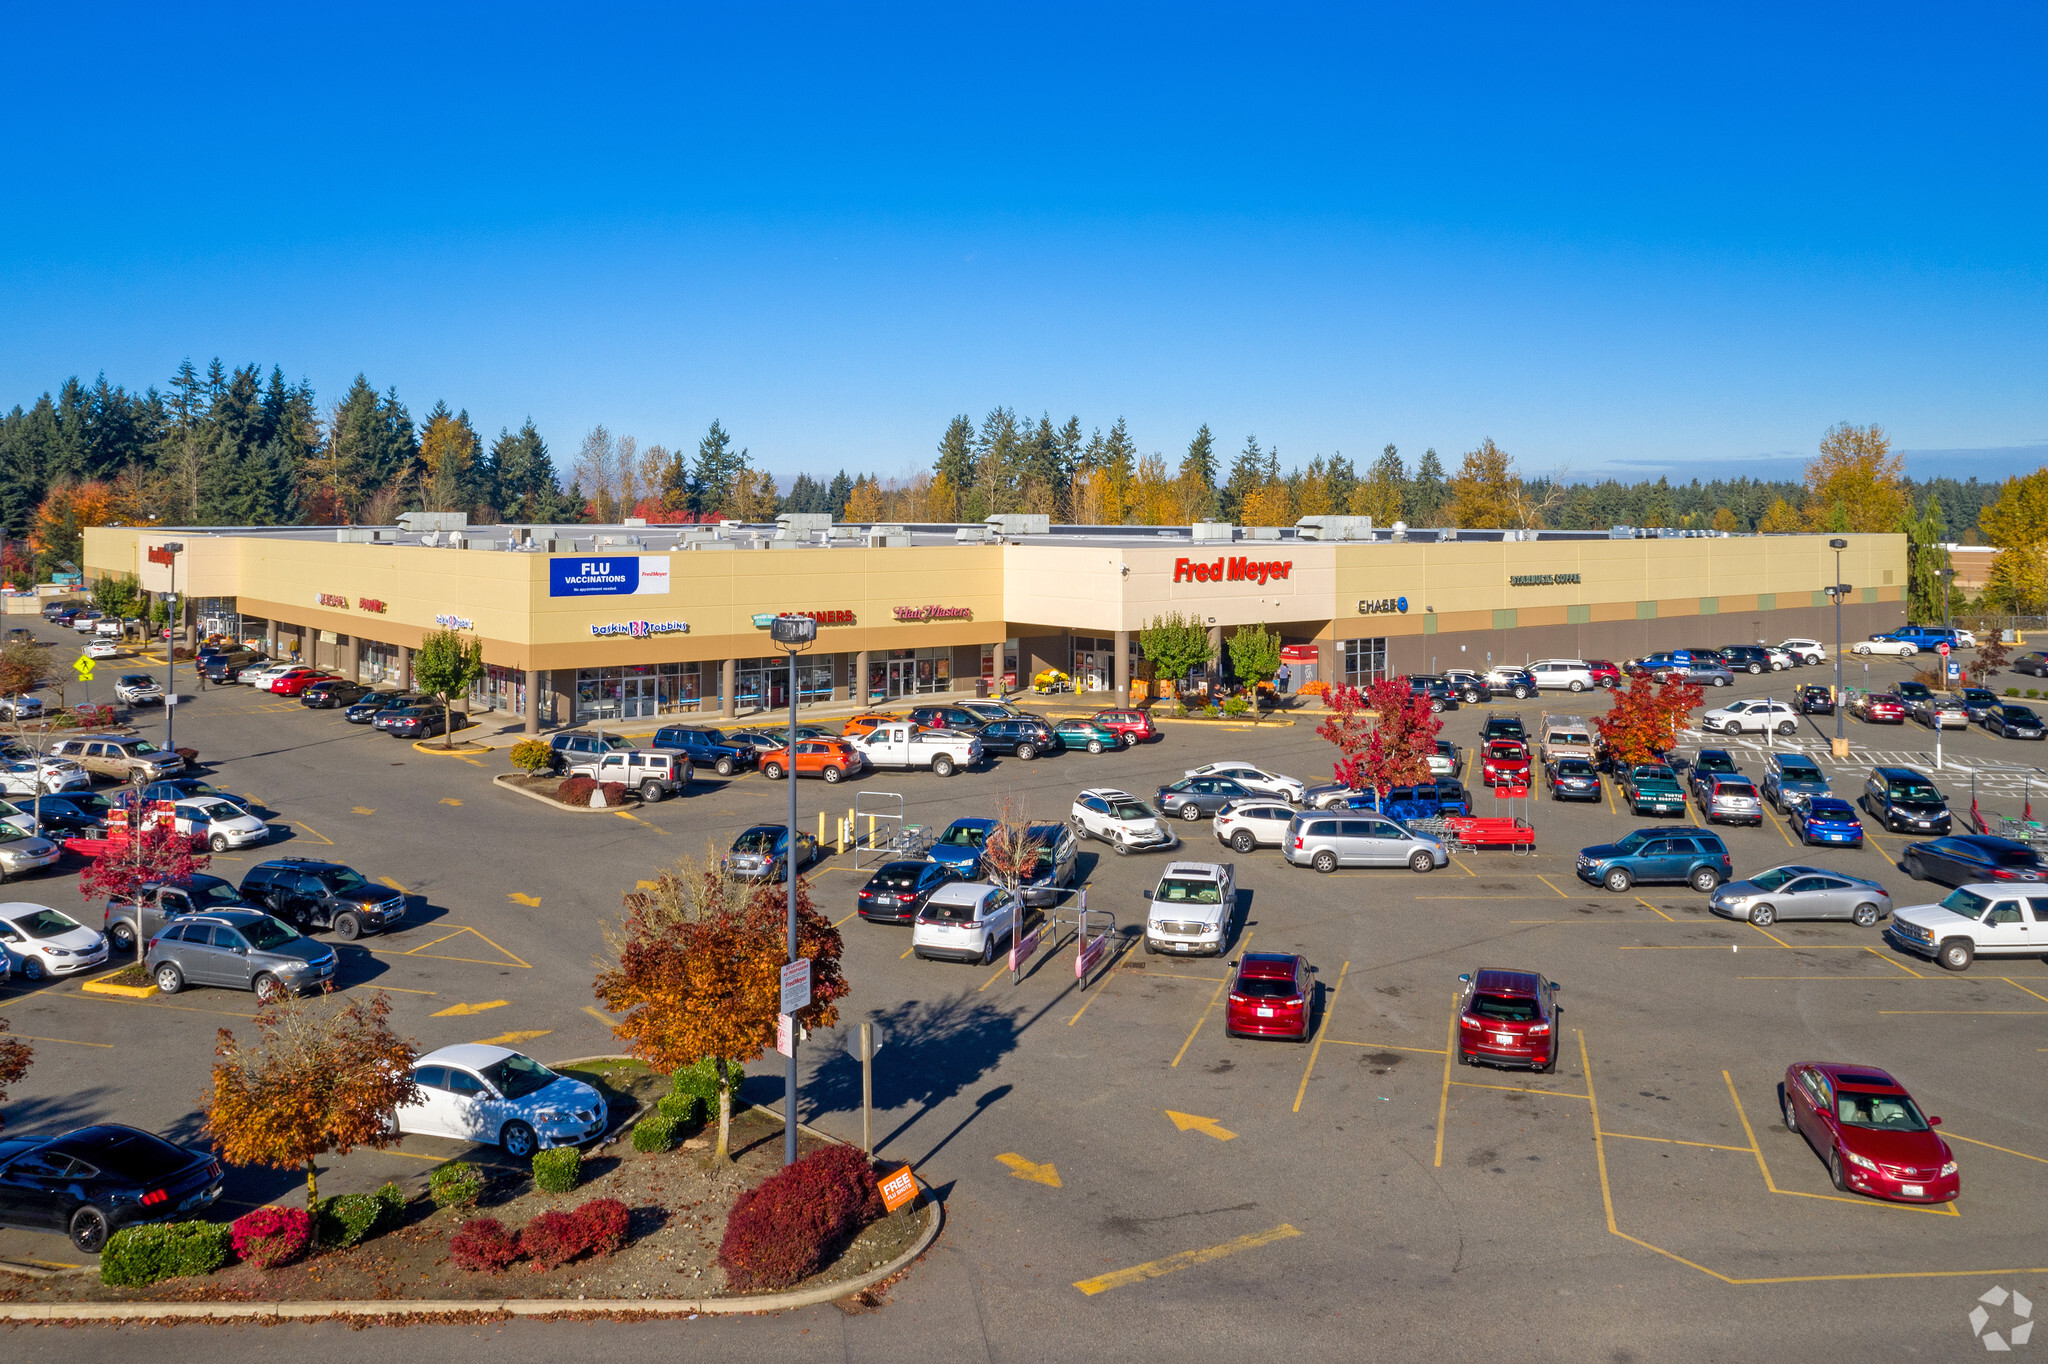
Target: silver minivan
1327, 841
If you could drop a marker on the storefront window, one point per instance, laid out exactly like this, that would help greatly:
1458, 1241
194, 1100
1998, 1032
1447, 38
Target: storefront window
380, 662
764, 682
1365, 661
909, 672
642, 690
500, 689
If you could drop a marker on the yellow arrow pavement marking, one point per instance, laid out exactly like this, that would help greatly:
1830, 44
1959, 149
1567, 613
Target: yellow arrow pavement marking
530, 901
464, 1010
506, 1039
1021, 1168
362, 810
1186, 1259
450, 800
1189, 1122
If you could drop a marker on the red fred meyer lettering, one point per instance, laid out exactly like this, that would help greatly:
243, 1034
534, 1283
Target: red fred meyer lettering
1238, 570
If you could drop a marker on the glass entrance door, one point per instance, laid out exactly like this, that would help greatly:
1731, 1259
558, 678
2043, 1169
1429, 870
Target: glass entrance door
902, 677
637, 698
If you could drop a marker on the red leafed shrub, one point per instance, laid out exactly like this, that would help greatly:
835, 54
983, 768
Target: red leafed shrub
268, 1237
614, 793
554, 1238
604, 1224
790, 1226
575, 791
483, 1245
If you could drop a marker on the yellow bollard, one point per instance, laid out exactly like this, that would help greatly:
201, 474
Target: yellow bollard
821, 828
871, 831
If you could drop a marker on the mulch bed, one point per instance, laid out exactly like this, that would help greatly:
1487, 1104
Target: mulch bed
545, 786
679, 1200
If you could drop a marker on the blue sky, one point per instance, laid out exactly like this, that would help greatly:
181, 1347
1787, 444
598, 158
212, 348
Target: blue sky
1617, 242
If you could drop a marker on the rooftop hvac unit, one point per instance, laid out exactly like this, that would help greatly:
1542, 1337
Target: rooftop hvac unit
801, 525
355, 535
972, 535
432, 521
1209, 531
1334, 528
1020, 523
1622, 533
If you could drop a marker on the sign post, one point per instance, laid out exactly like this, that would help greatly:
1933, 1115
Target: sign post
862, 1044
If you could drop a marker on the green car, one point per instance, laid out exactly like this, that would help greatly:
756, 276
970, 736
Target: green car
1087, 734
1652, 789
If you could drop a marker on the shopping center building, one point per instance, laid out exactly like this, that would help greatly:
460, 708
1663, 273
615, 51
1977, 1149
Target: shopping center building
585, 623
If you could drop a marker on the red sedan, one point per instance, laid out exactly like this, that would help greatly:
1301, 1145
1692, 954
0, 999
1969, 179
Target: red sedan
1880, 708
1269, 996
298, 679
1506, 764
1605, 673
1508, 1018
1135, 725
1869, 1130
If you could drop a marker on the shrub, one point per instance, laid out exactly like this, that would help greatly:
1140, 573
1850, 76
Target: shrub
483, 1246
699, 1080
1236, 705
682, 1109
458, 1184
164, 1250
347, 1219
2012, 691
532, 755
268, 1237
393, 1198
553, 1239
614, 792
190, 755
604, 1224
790, 1225
2032, 694
575, 790
557, 1170
656, 1131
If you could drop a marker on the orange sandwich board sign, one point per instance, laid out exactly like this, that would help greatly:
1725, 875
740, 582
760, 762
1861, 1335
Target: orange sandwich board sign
898, 1188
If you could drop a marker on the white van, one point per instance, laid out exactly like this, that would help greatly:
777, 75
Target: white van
1562, 674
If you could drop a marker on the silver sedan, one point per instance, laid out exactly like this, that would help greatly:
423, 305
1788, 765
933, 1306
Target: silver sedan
1796, 892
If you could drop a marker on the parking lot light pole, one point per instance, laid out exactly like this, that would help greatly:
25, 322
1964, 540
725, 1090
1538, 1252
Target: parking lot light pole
1835, 591
793, 635
174, 549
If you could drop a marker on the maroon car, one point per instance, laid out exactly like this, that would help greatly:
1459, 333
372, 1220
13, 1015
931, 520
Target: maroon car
1605, 673
1880, 708
1508, 1018
1134, 725
1269, 996
1870, 1132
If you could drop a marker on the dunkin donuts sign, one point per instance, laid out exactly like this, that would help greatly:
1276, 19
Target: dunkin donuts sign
1231, 570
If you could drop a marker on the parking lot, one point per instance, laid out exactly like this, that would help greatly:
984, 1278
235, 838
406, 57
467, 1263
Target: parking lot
1108, 1154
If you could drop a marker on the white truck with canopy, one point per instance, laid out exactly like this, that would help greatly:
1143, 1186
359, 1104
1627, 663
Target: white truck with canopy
903, 745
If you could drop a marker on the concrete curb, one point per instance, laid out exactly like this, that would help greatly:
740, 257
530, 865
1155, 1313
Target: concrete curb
503, 781
465, 749
100, 987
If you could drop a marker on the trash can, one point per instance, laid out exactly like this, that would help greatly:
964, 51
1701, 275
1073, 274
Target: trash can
981, 688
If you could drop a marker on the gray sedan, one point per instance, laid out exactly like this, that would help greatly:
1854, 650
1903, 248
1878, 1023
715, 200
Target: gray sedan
1796, 892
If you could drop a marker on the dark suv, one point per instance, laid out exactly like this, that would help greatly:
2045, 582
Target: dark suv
1025, 738
580, 745
706, 747
231, 664
309, 894
947, 717
1442, 696
1904, 801
1658, 856
1745, 658
161, 900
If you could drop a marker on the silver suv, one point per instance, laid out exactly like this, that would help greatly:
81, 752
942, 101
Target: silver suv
1358, 839
652, 772
1192, 907
241, 949
1119, 819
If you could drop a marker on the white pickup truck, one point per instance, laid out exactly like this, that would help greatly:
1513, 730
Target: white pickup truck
908, 746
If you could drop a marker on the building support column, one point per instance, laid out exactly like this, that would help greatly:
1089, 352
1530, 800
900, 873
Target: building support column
860, 678
1215, 657
533, 676
355, 659
404, 668
1123, 667
270, 638
728, 674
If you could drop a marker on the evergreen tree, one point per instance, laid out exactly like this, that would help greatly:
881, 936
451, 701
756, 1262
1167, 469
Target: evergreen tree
956, 453
1199, 464
997, 456
1248, 473
1428, 493
711, 477
836, 496
1120, 456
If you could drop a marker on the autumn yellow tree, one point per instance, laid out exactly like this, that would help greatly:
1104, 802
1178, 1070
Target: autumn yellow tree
1267, 505
1725, 520
1780, 518
323, 1077
2017, 523
1153, 500
942, 500
1312, 491
752, 496
1485, 492
1096, 500
864, 503
696, 972
1856, 483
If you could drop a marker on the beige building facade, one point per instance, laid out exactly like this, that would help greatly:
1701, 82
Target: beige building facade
618, 623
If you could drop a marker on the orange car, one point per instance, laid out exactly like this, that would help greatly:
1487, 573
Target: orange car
831, 759
860, 726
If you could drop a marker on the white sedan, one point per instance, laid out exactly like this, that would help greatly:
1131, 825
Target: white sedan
1901, 648
261, 678
52, 774
1738, 717
478, 1092
219, 824
48, 942
103, 648
1254, 779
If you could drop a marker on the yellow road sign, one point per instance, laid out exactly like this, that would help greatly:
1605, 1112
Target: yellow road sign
83, 667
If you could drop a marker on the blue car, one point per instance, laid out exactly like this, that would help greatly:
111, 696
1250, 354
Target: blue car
1793, 776
959, 847
1825, 819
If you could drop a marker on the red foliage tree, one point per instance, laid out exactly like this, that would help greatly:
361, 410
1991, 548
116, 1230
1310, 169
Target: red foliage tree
154, 854
1642, 720
1991, 659
1391, 750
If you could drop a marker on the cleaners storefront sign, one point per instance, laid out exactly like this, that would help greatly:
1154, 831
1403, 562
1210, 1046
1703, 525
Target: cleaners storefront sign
1231, 570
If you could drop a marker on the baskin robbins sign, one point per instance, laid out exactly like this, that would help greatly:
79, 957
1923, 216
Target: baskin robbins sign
609, 575
640, 629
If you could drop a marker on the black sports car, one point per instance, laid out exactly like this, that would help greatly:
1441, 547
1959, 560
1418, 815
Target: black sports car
92, 1182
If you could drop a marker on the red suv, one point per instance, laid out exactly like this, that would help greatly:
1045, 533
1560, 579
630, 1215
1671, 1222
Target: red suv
1507, 764
1870, 1132
298, 679
1508, 1018
1269, 996
1605, 673
1135, 725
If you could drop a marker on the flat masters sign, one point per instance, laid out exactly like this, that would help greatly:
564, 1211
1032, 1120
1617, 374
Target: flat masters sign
1231, 570
609, 575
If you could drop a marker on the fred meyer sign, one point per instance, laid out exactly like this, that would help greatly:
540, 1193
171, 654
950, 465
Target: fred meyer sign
609, 575
1230, 570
